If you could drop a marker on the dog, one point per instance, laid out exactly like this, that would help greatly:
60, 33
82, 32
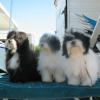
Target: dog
50, 65
21, 62
80, 63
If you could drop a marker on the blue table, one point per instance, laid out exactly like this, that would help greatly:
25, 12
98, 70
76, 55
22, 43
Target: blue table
45, 91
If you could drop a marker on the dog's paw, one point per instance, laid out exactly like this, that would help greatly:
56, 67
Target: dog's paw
60, 79
74, 82
47, 80
87, 83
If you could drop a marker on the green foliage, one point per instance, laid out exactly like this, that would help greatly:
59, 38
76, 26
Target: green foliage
37, 50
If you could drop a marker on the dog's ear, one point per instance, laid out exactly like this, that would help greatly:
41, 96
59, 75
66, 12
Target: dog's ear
54, 43
64, 48
11, 34
86, 43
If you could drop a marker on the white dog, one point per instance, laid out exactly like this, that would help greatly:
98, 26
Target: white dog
81, 67
50, 65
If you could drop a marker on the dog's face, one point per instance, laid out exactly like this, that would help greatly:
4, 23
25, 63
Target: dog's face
74, 44
15, 40
49, 43
11, 45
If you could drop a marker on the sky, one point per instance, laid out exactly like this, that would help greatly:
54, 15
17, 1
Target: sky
33, 16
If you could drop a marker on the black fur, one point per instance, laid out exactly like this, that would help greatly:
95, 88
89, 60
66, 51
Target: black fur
66, 39
76, 35
11, 35
27, 70
54, 43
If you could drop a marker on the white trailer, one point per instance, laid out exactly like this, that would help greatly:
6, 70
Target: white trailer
67, 10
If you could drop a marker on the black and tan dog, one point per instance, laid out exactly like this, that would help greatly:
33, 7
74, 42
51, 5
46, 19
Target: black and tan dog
21, 61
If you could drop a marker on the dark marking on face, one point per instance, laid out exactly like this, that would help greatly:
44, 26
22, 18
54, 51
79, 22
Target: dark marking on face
76, 36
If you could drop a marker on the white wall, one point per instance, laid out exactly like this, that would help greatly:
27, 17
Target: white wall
90, 8
60, 20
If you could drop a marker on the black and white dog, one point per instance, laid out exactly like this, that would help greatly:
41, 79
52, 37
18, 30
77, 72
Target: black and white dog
50, 64
81, 65
21, 62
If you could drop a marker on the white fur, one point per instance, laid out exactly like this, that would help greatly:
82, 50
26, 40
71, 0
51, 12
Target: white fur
98, 56
11, 46
81, 69
78, 44
50, 67
14, 62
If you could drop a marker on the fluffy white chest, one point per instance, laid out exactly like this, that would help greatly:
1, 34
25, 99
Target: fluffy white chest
76, 65
51, 61
14, 61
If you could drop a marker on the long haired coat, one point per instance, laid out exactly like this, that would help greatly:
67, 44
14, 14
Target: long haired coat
21, 62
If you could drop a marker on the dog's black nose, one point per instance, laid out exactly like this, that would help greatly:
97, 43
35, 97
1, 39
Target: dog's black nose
73, 42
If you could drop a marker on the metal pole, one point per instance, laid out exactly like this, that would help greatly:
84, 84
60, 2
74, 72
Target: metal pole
10, 19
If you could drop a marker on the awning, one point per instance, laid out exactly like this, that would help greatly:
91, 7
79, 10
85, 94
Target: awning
4, 20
